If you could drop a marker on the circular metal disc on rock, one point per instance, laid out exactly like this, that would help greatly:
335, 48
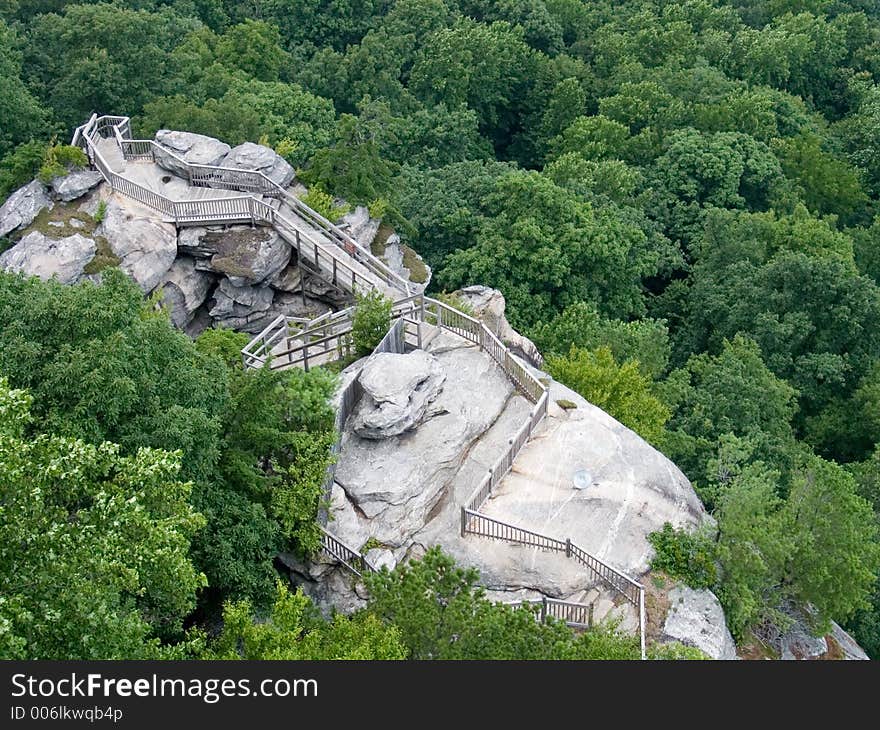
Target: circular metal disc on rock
582, 479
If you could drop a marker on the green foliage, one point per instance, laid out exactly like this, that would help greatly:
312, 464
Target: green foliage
100, 212
372, 318
59, 160
621, 390
581, 325
325, 204
94, 553
294, 630
674, 651
441, 613
353, 166
684, 555
21, 166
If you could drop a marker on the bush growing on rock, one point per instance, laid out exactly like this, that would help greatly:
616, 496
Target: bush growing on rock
372, 318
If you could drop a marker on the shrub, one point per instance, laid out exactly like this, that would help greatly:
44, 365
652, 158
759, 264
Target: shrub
322, 203
100, 212
21, 166
683, 555
456, 302
288, 149
59, 159
372, 318
379, 208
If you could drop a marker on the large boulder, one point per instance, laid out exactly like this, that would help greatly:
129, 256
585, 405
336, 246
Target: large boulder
250, 156
76, 184
489, 306
360, 226
184, 290
405, 262
23, 206
251, 256
195, 149
39, 255
145, 246
241, 307
246, 255
388, 488
398, 390
289, 279
695, 618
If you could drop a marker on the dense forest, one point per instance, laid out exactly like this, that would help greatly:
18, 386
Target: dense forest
679, 201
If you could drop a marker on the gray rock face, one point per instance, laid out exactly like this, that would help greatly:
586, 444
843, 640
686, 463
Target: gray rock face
76, 184
380, 558
251, 259
247, 256
23, 206
184, 290
398, 390
797, 643
360, 226
851, 650
196, 149
146, 246
39, 255
240, 307
696, 618
387, 488
288, 279
250, 156
394, 257
489, 306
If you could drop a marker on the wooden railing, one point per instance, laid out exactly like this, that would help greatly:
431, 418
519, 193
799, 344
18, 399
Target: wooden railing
578, 615
348, 556
237, 209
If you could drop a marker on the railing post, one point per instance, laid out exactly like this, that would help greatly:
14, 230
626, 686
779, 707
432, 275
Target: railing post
568, 547
642, 621
543, 609
463, 521
590, 616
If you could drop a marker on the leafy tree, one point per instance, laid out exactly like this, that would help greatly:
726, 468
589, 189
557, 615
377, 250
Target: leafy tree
621, 390
94, 553
352, 167
441, 613
372, 318
23, 117
294, 630
101, 58
731, 393
580, 325
253, 46
545, 249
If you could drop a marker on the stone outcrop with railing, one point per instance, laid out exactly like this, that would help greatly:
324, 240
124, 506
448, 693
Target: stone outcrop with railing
289, 342
411, 315
340, 260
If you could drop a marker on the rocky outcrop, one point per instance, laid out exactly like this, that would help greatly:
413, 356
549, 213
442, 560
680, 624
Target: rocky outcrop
398, 390
39, 255
239, 307
76, 184
145, 246
387, 488
288, 279
489, 306
250, 156
397, 255
196, 149
695, 618
184, 290
22, 207
246, 256
360, 226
